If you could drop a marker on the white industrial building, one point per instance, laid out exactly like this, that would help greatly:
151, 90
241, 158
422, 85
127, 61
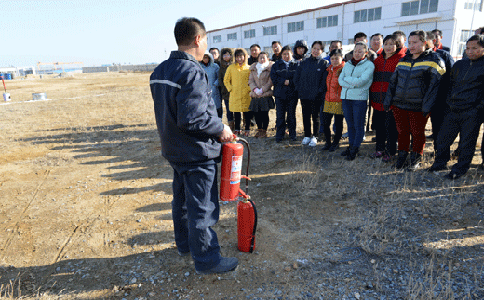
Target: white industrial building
341, 21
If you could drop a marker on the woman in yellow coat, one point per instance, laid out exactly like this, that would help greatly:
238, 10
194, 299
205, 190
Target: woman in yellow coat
236, 81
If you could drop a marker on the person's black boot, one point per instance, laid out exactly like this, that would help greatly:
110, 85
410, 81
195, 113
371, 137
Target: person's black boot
327, 146
415, 159
346, 152
401, 160
352, 154
333, 147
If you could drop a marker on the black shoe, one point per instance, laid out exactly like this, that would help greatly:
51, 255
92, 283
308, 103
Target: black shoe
327, 146
352, 154
226, 264
346, 152
401, 160
333, 147
415, 159
373, 139
430, 137
435, 167
452, 175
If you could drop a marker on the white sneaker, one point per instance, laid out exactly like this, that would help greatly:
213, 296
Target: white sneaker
313, 142
306, 140
364, 138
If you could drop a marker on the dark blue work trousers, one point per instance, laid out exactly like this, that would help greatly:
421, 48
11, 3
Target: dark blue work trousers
285, 107
195, 208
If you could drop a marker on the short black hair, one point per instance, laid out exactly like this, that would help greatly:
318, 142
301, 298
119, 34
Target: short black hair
318, 42
337, 41
422, 35
477, 37
431, 35
276, 42
186, 29
377, 34
336, 52
394, 38
400, 33
213, 49
437, 32
360, 35
255, 45
286, 48
364, 45
481, 30
263, 53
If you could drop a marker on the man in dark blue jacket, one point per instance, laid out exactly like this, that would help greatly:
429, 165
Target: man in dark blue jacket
466, 106
190, 131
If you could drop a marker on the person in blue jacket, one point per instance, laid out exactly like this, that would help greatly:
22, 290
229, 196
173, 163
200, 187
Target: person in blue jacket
356, 79
310, 85
211, 68
282, 76
190, 133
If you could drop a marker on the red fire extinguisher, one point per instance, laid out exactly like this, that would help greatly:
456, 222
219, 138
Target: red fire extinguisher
231, 169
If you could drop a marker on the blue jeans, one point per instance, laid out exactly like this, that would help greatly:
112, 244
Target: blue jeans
195, 208
355, 113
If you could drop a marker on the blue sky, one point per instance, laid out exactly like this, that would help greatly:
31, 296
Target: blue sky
105, 32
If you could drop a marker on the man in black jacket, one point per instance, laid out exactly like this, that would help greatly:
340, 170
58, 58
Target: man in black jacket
190, 131
466, 106
439, 108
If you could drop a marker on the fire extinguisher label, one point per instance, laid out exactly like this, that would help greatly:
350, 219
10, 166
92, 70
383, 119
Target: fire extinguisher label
236, 169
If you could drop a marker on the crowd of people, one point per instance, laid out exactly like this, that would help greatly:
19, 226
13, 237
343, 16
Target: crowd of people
385, 86
404, 86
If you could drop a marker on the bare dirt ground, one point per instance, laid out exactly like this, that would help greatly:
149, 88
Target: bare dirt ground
85, 211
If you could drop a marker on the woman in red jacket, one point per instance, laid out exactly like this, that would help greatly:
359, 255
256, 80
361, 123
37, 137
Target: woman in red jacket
332, 101
384, 122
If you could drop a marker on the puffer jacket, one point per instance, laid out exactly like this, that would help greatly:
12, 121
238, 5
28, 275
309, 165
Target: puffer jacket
236, 81
263, 81
384, 69
356, 80
212, 70
309, 77
466, 85
300, 43
221, 73
279, 74
333, 92
415, 82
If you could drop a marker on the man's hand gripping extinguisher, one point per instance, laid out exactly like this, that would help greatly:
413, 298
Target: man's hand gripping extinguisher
232, 154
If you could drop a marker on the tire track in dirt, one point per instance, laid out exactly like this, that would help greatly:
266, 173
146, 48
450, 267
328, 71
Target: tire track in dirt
19, 218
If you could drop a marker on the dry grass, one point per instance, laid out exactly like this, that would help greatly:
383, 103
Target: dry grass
97, 137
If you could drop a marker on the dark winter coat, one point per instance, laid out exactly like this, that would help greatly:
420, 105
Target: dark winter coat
415, 82
221, 73
445, 81
309, 78
466, 85
185, 114
279, 74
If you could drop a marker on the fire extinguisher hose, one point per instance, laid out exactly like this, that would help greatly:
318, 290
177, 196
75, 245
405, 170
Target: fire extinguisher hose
252, 241
248, 163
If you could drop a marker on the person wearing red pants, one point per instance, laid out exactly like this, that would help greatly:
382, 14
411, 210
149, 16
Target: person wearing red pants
411, 94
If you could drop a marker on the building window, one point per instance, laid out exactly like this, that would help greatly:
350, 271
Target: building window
419, 7
270, 30
217, 38
473, 5
367, 15
249, 33
330, 21
232, 36
295, 26
464, 36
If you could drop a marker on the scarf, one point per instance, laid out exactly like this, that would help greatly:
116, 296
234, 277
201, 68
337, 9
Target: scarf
261, 67
355, 62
